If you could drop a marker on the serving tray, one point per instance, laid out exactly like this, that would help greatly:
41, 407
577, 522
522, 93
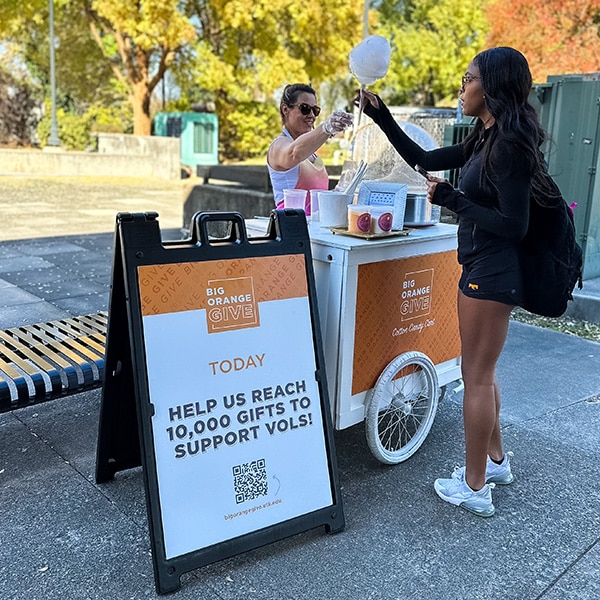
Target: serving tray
368, 236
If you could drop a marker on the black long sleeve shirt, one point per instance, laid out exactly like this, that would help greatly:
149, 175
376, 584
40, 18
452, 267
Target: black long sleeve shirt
492, 214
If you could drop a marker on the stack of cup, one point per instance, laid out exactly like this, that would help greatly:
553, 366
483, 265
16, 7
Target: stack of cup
314, 205
382, 219
359, 218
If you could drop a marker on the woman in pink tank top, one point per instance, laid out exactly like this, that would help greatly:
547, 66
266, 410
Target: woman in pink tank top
291, 157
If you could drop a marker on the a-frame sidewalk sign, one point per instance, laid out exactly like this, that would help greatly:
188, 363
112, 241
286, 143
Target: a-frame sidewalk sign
215, 384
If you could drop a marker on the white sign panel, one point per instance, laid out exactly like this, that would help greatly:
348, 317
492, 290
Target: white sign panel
238, 428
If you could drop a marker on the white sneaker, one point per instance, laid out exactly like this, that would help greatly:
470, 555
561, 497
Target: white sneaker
456, 491
494, 472
499, 473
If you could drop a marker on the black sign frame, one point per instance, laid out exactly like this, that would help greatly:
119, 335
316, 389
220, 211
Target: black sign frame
125, 438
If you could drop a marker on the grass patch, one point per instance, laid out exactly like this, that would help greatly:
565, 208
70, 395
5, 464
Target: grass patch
582, 329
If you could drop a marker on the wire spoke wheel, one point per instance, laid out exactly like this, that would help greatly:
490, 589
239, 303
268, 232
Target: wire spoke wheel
401, 407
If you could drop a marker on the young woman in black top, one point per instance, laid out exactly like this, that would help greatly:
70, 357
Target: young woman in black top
500, 163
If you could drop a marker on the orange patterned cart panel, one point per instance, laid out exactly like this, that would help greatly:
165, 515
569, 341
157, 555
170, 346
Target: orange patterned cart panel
403, 305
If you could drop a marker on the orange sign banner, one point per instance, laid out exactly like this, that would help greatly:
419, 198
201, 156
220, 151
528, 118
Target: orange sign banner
229, 290
404, 305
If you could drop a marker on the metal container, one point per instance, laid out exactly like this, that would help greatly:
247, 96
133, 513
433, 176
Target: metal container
419, 211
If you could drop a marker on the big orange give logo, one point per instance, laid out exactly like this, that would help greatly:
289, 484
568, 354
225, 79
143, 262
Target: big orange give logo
231, 304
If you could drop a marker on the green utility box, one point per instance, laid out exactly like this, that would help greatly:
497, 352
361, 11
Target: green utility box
569, 110
198, 132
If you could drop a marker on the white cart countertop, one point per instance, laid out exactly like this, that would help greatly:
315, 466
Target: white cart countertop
325, 237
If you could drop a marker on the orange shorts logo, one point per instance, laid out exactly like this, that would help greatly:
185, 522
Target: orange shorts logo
473, 286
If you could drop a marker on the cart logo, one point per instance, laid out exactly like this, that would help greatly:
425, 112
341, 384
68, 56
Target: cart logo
231, 304
416, 294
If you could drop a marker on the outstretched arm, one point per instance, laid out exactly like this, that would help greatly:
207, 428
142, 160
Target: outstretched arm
286, 153
450, 157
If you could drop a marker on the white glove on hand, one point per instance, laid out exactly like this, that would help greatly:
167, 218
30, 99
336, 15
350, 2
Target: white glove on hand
337, 122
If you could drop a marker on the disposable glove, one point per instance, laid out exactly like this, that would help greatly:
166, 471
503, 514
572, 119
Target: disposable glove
337, 122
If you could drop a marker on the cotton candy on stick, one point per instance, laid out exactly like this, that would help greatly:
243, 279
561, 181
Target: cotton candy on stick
369, 61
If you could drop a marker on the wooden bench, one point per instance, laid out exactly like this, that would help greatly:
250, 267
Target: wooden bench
49, 360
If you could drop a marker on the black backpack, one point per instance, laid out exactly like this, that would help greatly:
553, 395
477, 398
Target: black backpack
551, 258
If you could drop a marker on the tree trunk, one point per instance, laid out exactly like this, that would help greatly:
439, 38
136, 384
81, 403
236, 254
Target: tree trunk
140, 101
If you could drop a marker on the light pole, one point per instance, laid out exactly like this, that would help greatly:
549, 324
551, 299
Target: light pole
366, 20
53, 140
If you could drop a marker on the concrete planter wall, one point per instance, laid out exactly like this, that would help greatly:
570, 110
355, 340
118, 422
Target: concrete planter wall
118, 156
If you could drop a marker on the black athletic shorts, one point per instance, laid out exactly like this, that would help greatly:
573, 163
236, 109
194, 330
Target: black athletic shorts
493, 277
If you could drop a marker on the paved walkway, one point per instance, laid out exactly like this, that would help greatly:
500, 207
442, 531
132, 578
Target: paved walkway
56, 240
40, 207
65, 537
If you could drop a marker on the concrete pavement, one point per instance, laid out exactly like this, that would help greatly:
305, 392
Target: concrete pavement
65, 537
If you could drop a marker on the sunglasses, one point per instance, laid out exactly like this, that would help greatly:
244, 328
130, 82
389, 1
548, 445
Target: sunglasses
467, 78
306, 108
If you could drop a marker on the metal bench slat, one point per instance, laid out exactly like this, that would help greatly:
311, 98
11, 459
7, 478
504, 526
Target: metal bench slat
32, 375
21, 389
74, 359
48, 369
47, 360
72, 350
70, 372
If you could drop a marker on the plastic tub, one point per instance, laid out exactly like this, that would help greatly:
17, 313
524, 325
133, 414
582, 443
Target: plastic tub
333, 208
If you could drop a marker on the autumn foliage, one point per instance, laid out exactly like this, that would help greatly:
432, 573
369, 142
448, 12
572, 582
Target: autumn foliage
238, 54
557, 36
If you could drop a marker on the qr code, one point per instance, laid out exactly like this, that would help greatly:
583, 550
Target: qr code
250, 480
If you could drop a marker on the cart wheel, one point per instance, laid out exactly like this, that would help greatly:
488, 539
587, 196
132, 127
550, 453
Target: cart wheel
401, 407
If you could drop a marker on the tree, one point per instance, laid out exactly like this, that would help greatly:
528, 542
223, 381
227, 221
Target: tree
240, 54
432, 44
84, 77
14, 14
18, 100
140, 39
247, 50
556, 36
88, 96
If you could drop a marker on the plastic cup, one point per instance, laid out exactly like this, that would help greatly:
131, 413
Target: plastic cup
359, 218
382, 219
333, 208
294, 198
314, 204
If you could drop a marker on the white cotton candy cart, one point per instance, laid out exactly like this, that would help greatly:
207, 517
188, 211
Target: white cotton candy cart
387, 310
